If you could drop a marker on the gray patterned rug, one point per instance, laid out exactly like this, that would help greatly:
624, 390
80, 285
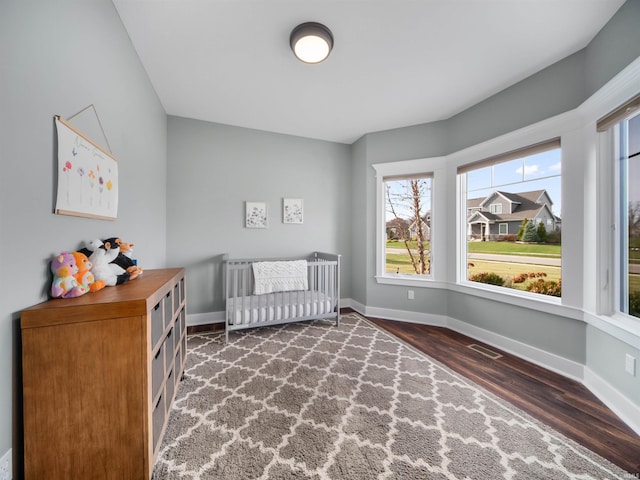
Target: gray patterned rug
313, 401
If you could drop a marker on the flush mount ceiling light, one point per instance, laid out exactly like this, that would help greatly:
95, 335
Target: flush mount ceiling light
311, 42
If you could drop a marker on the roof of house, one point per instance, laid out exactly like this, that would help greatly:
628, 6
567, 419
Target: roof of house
527, 206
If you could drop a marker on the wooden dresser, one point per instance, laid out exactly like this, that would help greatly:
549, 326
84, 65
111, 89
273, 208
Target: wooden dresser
100, 373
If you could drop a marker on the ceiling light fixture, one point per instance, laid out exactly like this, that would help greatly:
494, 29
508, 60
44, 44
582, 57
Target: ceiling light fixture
311, 42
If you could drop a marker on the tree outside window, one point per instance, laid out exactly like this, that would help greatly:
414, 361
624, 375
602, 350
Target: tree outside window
408, 225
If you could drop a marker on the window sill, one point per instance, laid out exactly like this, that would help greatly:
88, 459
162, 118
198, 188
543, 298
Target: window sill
409, 281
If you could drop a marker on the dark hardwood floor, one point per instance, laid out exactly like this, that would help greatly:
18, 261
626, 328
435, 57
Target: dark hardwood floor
555, 400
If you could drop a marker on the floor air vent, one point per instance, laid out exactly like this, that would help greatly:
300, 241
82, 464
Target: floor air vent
485, 351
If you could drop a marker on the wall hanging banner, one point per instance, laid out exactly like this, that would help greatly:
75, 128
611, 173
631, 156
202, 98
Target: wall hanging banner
87, 176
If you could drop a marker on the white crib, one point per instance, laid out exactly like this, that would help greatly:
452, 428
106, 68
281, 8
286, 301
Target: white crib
244, 309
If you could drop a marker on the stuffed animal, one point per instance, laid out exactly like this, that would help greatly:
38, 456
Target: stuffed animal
64, 283
124, 259
100, 259
84, 277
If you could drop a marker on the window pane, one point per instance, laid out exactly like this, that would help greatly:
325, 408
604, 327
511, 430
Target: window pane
542, 165
514, 224
479, 179
507, 172
630, 210
408, 226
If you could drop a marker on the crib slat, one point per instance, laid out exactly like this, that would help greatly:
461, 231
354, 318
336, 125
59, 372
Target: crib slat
244, 310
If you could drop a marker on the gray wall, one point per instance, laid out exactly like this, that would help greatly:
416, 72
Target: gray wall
213, 169
57, 58
615, 47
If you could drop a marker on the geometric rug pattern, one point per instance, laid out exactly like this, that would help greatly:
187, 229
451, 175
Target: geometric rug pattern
310, 400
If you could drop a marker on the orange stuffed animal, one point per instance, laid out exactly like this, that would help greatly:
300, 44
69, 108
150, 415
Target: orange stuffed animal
84, 277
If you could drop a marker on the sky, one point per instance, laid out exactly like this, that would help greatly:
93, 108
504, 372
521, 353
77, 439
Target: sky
535, 172
399, 189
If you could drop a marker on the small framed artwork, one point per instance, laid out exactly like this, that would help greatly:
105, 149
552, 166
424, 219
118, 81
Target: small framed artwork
255, 215
292, 210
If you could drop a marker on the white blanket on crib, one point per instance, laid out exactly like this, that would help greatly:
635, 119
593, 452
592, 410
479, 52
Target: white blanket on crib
281, 276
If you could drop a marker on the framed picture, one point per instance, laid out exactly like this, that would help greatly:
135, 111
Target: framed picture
87, 176
292, 210
255, 215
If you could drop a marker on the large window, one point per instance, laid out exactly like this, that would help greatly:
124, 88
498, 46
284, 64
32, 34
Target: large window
408, 225
628, 208
623, 130
407, 216
513, 221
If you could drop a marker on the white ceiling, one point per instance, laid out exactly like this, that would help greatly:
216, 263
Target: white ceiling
395, 62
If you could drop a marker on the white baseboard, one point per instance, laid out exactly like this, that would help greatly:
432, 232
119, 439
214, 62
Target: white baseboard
208, 318
351, 303
406, 316
628, 412
550, 361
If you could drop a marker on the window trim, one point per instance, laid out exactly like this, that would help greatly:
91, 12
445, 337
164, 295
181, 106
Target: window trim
552, 143
494, 207
421, 167
503, 224
609, 216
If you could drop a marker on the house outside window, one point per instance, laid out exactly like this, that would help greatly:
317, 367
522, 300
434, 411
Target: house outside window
514, 197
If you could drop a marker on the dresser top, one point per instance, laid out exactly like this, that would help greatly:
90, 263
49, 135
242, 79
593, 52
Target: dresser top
132, 298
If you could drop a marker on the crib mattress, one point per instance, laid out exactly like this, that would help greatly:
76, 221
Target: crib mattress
277, 307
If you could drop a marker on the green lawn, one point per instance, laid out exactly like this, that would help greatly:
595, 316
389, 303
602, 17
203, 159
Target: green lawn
511, 248
412, 245
399, 263
504, 248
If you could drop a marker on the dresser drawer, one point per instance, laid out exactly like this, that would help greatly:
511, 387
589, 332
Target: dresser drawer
158, 420
168, 308
157, 371
177, 298
169, 345
157, 324
170, 389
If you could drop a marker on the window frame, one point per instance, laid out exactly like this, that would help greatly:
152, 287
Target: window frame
611, 225
503, 224
433, 167
552, 142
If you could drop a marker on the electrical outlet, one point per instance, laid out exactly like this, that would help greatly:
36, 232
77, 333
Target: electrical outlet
5, 466
630, 364
410, 294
